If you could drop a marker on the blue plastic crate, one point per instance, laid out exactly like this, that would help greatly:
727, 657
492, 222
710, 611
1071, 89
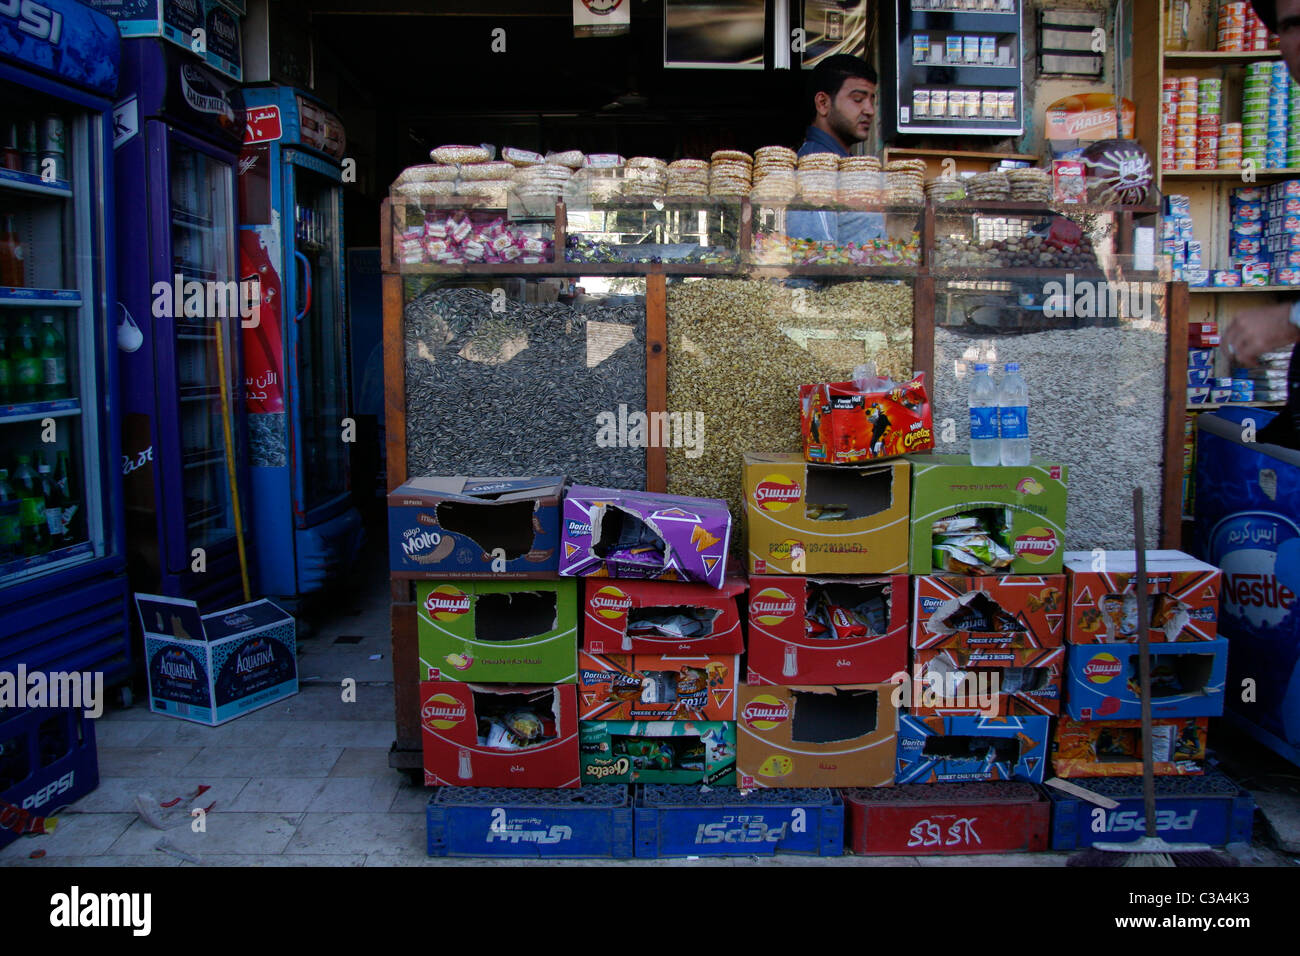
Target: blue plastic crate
1206, 809
683, 821
553, 824
47, 761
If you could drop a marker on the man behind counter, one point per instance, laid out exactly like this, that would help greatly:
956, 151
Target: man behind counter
842, 90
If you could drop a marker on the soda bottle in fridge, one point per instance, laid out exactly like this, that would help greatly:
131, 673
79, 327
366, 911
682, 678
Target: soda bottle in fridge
25, 362
54, 361
31, 154
11, 253
10, 157
11, 531
6, 365
71, 501
31, 509
53, 505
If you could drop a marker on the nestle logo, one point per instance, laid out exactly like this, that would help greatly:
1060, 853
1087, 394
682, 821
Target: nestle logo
1257, 590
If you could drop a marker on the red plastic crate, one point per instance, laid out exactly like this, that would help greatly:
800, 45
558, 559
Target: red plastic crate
947, 818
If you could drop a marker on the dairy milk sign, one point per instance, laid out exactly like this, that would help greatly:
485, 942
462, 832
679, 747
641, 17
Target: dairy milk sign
1259, 552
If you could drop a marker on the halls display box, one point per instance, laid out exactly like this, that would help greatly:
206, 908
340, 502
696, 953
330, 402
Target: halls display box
690, 752
504, 632
499, 735
609, 533
662, 617
825, 519
1113, 748
1005, 611
212, 668
971, 749
831, 631
1184, 603
1187, 680
990, 520
991, 681
656, 687
689, 821
920, 819
475, 528
810, 736
591, 823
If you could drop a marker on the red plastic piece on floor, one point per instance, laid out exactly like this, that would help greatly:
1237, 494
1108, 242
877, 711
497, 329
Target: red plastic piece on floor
170, 803
35, 854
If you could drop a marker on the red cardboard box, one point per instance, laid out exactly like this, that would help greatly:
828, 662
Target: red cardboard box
612, 609
1113, 748
1015, 682
1103, 603
844, 425
1007, 611
781, 650
464, 747
656, 687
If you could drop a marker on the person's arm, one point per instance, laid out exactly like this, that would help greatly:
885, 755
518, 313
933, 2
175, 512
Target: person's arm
1256, 331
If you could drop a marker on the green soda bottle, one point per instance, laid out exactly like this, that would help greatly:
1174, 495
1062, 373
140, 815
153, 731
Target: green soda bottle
31, 509
6, 364
11, 533
26, 363
54, 361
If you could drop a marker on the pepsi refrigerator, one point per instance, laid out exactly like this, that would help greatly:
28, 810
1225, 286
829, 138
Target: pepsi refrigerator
178, 128
304, 526
63, 585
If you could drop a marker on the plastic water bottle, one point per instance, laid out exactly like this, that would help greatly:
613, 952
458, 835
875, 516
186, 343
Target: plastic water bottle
1013, 416
983, 418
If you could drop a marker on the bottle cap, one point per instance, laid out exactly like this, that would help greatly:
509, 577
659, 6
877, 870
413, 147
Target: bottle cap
981, 367
43, 469
1012, 367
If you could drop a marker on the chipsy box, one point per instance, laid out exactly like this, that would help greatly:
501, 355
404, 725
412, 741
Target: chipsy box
499, 735
475, 528
811, 736
213, 668
988, 680
1113, 748
966, 749
638, 534
1006, 611
827, 630
1187, 680
656, 687
662, 617
659, 751
825, 519
1184, 603
498, 631
988, 520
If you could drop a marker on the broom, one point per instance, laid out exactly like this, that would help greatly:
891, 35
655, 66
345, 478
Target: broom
1148, 850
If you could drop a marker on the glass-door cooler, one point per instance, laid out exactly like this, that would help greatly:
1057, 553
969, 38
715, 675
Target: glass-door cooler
62, 562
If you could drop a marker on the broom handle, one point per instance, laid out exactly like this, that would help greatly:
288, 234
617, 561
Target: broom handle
230, 464
1144, 670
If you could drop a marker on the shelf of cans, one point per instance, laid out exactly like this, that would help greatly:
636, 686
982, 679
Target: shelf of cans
1195, 135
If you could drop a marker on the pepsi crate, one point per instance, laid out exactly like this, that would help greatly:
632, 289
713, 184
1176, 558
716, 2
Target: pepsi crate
1207, 809
683, 821
47, 761
594, 822
930, 819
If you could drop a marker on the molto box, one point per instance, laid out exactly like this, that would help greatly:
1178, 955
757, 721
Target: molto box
1113, 748
816, 736
934, 819
635, 617
784, 497
1187, 680
989, 611
1034, 496
175, 21
1103, 604
676, 537
780, 649
455, 755
659, 751
216, 667
971, 749
656, 687
498, 631
955, 681
475, 527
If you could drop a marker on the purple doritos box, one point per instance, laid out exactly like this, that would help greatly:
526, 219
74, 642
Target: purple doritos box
639, 534
475, 527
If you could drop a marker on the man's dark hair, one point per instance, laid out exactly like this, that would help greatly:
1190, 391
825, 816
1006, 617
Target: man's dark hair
829, 75
1266, 10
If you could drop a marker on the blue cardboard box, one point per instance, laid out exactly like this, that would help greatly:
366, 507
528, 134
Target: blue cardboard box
1187, 680
213, 668
1248, 523
966, 749
475, 528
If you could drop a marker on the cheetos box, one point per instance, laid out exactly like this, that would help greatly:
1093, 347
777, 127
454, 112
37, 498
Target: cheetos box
825, 519
1184, 597
816, 736
844, 424
475, 528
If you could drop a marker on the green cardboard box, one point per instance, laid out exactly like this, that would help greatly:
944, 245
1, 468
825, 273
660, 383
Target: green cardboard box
654, 751
1032, 497
498, 632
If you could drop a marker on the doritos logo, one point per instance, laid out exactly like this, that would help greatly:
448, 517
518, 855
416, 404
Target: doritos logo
776, 493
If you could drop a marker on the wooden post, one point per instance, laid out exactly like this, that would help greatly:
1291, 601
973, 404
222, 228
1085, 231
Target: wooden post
394, 379
923, 328
656, 373
1171, 504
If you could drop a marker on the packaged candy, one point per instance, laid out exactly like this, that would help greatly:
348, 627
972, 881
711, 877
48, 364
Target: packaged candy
971, 554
